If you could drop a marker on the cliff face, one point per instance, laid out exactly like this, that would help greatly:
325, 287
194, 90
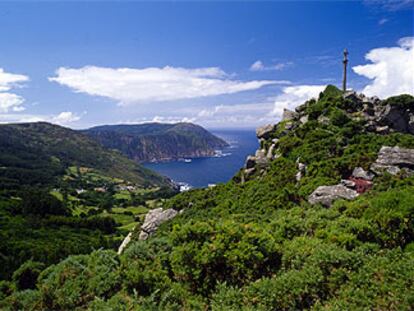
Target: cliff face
158, 142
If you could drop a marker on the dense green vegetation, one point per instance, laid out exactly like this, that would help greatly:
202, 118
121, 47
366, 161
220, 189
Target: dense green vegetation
258, 245
61, 193
157, 141
89, 212
39, 154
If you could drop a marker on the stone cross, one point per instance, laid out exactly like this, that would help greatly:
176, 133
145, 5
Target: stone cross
345, 62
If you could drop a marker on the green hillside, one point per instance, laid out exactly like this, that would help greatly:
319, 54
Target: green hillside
271, 238
39, 153
157, 141
62, 193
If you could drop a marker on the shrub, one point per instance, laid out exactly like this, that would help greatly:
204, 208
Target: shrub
26, 276
75, 281
40, 202
207, 253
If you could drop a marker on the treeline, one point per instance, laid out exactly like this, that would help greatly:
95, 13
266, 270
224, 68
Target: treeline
37, 226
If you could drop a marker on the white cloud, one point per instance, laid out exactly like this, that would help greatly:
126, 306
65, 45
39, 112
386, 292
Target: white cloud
10, 101
382, 21
294, 96
239, 109
158, 119
65, 117
391, 70
391, 5
129, 85
259, 66
9, 80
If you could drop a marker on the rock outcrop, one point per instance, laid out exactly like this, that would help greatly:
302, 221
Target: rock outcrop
301, 170
359, 172
393, 160
325, 195
395, 114
125, 243
153, 142
154, 219
289, 114
265, 131
382, 116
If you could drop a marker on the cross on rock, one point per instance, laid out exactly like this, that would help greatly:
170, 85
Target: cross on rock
345, 62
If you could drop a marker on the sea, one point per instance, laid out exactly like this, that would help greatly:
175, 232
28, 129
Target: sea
203, 172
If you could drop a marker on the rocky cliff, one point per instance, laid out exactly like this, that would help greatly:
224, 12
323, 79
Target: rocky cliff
155, 142
370, 114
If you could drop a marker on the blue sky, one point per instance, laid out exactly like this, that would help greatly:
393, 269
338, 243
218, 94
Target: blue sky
220, 64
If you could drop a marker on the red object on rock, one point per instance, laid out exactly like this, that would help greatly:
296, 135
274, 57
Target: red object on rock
361, 185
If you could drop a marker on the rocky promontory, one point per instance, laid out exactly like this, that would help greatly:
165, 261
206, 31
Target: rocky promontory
157, 142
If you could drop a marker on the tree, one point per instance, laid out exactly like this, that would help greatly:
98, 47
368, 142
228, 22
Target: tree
40, 202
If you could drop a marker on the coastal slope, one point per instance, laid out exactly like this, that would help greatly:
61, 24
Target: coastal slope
153, 142
40, 153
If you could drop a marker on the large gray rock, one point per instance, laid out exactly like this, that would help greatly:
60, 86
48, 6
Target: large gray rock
250, 162
382, 117
269, 154
359, 172
265, 131
325, 195
396, 117
260, 159
154, 219
260, 153
289, 114
393, 159
249, 171
348, 183
354, 101
125, 243
304, 119
301, 170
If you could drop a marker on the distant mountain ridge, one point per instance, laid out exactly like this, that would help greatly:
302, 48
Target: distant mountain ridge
39, 154
153, 142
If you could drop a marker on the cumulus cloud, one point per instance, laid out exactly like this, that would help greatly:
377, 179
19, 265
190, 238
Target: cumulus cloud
259, 66
236, 115
391, 70
293, 96
254, 109
65, 117
10, 101
130, 86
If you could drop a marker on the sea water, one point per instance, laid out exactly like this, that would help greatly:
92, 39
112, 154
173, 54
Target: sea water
204, 172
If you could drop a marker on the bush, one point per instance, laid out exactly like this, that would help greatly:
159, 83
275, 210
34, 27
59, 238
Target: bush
382, 283
40, 202
205, 254
26, 276
77, 280
28, 299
